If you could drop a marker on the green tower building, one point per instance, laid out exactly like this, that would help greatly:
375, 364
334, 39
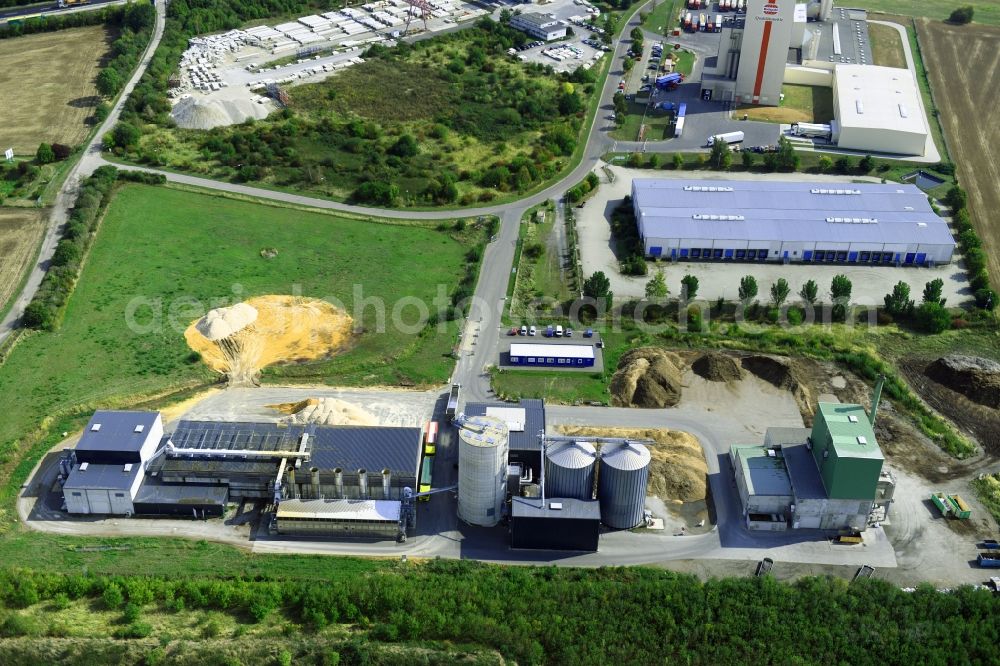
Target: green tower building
846, 453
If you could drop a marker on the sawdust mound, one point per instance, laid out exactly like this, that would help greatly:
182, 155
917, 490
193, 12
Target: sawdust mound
717, 368
287, 329
647, 377
677, 469
976, 378
780, 372
325, 411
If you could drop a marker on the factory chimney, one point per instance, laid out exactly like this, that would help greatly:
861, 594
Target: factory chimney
314, 474
386, 482
338, 482
363, 483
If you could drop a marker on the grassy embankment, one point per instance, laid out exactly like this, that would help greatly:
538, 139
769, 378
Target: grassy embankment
175, 254
802, 104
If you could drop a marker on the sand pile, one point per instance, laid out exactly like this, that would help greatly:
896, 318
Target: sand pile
976, 378
647, 377
677, 471
205, 113
325, 411
286, 329
230, 334
716, 367
779, 371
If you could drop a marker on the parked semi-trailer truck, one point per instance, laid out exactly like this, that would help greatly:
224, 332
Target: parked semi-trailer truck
812, 130
728, 137
452, 407
990, 560
679, 125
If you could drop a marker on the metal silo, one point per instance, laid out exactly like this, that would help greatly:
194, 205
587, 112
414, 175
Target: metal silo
621, 484
482, 470
569, 470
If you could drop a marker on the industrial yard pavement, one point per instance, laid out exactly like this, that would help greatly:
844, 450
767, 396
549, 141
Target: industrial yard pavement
722, 279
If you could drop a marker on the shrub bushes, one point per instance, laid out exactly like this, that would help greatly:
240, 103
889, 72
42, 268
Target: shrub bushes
45, 309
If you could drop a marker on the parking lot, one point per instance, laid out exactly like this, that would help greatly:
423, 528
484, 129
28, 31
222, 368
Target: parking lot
720, 279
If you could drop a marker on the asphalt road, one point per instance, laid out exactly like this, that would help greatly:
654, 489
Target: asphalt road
48, 8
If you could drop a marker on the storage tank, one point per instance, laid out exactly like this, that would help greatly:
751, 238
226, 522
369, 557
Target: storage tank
621, 484
482, 470
569, 470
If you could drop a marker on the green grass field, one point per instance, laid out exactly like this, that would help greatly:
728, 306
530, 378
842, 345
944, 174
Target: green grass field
662, 18
805, 104
173, 249
986, 11
887, 48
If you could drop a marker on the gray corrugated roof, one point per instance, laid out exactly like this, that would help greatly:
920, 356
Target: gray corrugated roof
534, 421
102, 477
572, 509
117, 431
367, 447
764, 475
802, 471
787, 211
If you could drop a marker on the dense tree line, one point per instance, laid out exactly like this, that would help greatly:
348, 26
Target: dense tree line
577, 616
971, 247
46, 307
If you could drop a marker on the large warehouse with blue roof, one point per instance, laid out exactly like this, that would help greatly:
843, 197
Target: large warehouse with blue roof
860, 223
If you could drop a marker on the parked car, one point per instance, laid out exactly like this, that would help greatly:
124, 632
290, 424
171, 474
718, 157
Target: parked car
589, 333
549, 332
568, 333
524, 330
559, 331
512, 331
532, 331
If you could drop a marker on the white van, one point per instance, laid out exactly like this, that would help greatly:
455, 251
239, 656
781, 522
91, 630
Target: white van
559, 331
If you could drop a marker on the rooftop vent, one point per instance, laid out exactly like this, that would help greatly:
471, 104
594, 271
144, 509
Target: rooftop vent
725, 218
84, 466
556, 506
95, 428
862, 440
707, 188
859, 106
128, 467
139, 428
921, 224
902, 111
852, 418
823, 190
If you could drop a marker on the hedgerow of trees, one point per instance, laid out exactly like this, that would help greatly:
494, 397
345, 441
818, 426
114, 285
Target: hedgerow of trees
535, 615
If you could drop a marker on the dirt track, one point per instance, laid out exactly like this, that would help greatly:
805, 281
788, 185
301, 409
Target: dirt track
964, 69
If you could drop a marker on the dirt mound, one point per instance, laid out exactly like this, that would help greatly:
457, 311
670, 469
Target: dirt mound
647, 377
976, 378
717, 367
677, 470
780, 372
287, 329
198, 113
325, 411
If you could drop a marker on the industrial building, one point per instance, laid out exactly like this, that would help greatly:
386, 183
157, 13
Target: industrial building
105, 475
856, 223
551, 355
525, 423
558, 524
876, 109
829, 477
333, 480
539, 26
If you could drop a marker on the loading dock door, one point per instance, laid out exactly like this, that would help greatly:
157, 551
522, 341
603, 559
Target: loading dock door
807, 255
909, 258
921, 257
656, 251
852, 257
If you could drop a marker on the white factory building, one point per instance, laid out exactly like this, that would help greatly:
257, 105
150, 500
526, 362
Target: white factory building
855, 223
539, 26
876, 109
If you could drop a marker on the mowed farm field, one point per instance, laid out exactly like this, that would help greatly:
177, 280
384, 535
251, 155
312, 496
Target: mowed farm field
21, 231
964, 67
166, 256
48, 87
